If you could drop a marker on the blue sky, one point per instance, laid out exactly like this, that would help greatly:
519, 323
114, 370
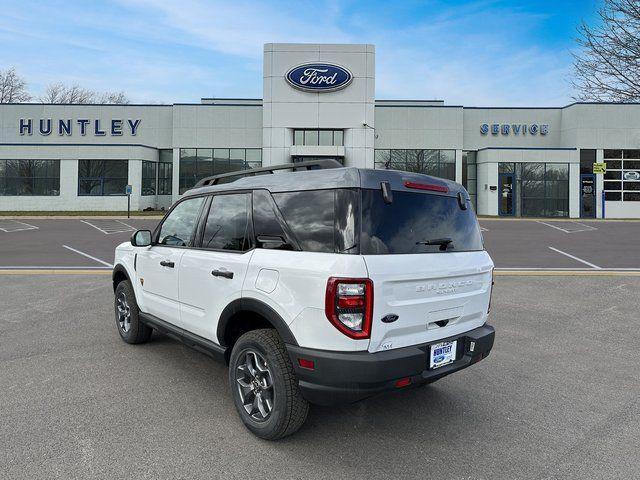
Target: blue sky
475, 53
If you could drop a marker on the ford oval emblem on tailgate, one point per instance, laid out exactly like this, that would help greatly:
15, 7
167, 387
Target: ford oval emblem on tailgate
392, 317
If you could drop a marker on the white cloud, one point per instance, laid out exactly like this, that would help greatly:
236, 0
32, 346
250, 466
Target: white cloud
179, 51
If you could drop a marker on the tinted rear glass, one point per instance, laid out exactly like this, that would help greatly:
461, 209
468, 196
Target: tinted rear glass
321, 220
412, 218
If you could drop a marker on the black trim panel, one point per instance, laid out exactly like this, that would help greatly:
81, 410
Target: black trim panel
119, 268
260, 308
346, 377
190, 339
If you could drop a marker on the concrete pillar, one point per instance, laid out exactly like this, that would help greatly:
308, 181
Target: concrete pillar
135, 180
459, 166
574, 189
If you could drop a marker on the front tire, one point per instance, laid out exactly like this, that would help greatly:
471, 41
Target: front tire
130, 328
264, 387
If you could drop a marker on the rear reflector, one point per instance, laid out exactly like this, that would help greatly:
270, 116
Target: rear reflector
403, 382
426, 186
308, 364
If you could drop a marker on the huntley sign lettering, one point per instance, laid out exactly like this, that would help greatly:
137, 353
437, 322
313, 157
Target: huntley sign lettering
67, 127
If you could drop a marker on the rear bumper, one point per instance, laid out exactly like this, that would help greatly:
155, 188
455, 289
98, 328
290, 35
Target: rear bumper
346, 377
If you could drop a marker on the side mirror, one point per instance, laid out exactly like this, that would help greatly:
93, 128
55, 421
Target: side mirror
273, 242
142, 238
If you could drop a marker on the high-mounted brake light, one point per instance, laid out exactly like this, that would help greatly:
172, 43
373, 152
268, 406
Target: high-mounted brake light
349, 305
426, 186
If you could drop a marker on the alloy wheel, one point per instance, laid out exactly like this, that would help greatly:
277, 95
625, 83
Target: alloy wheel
255, 385
124, 312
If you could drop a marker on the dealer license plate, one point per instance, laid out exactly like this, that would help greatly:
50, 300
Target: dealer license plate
442, 354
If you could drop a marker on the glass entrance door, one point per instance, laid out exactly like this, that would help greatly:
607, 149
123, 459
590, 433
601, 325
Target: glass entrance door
506, 194
587, 195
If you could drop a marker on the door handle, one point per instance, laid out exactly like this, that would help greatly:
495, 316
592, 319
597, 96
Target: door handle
222, 273
167, 264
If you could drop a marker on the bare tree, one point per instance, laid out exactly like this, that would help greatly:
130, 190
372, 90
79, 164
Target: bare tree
607, 67
75, 94
61, 93
13, 89
119, 98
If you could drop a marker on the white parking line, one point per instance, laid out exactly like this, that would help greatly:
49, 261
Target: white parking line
568, 269
576, 258
9, 226
88, 256
110, 226
586, 228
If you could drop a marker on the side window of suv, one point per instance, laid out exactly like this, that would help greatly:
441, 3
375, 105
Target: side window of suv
322, 220
265, 219
228, 224
178, 228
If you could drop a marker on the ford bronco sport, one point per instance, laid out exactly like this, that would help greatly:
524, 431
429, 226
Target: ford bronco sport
325, 284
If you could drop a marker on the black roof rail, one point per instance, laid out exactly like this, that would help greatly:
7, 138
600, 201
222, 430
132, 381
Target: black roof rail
320, 164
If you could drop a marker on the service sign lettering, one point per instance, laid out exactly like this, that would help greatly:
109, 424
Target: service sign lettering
66, 127
514, 129
319, 77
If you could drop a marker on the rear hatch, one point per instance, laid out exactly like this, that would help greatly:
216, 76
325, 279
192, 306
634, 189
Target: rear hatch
425, 256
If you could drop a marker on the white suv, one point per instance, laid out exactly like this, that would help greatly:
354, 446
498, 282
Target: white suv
323, 284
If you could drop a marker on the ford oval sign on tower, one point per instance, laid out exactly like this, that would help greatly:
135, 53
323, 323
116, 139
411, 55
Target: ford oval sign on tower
319, 77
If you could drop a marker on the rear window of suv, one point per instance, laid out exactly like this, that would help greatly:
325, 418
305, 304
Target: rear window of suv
413, 220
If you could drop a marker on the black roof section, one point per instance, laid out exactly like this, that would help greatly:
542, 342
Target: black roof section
323, 174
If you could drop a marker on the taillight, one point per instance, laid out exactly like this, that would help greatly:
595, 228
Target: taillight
349, 305
490, 293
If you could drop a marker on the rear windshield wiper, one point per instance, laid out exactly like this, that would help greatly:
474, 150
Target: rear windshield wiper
443, 242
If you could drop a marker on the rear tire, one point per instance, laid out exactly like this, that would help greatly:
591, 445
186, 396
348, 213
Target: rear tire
130, 328
264, 387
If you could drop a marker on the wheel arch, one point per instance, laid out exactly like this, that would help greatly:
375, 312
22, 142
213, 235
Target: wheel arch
118, 275
246, 314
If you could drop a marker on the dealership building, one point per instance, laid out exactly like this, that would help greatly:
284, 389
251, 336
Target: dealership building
319, 102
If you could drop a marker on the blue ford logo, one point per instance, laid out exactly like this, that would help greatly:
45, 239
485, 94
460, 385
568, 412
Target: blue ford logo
319, 77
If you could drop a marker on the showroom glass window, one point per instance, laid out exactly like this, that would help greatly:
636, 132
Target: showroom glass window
542, 189
438, 163
622, 179
165, 172
149, 171
196, 164
30, 177
315, 137
102, 177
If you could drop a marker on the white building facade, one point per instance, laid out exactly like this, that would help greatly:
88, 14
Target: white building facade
319, 102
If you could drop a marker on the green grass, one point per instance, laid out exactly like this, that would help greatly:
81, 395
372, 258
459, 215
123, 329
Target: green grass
87, 213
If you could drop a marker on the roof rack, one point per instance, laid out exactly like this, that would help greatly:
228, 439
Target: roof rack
321, 164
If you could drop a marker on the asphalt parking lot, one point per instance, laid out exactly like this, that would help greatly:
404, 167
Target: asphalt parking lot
557, 397
513, 244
